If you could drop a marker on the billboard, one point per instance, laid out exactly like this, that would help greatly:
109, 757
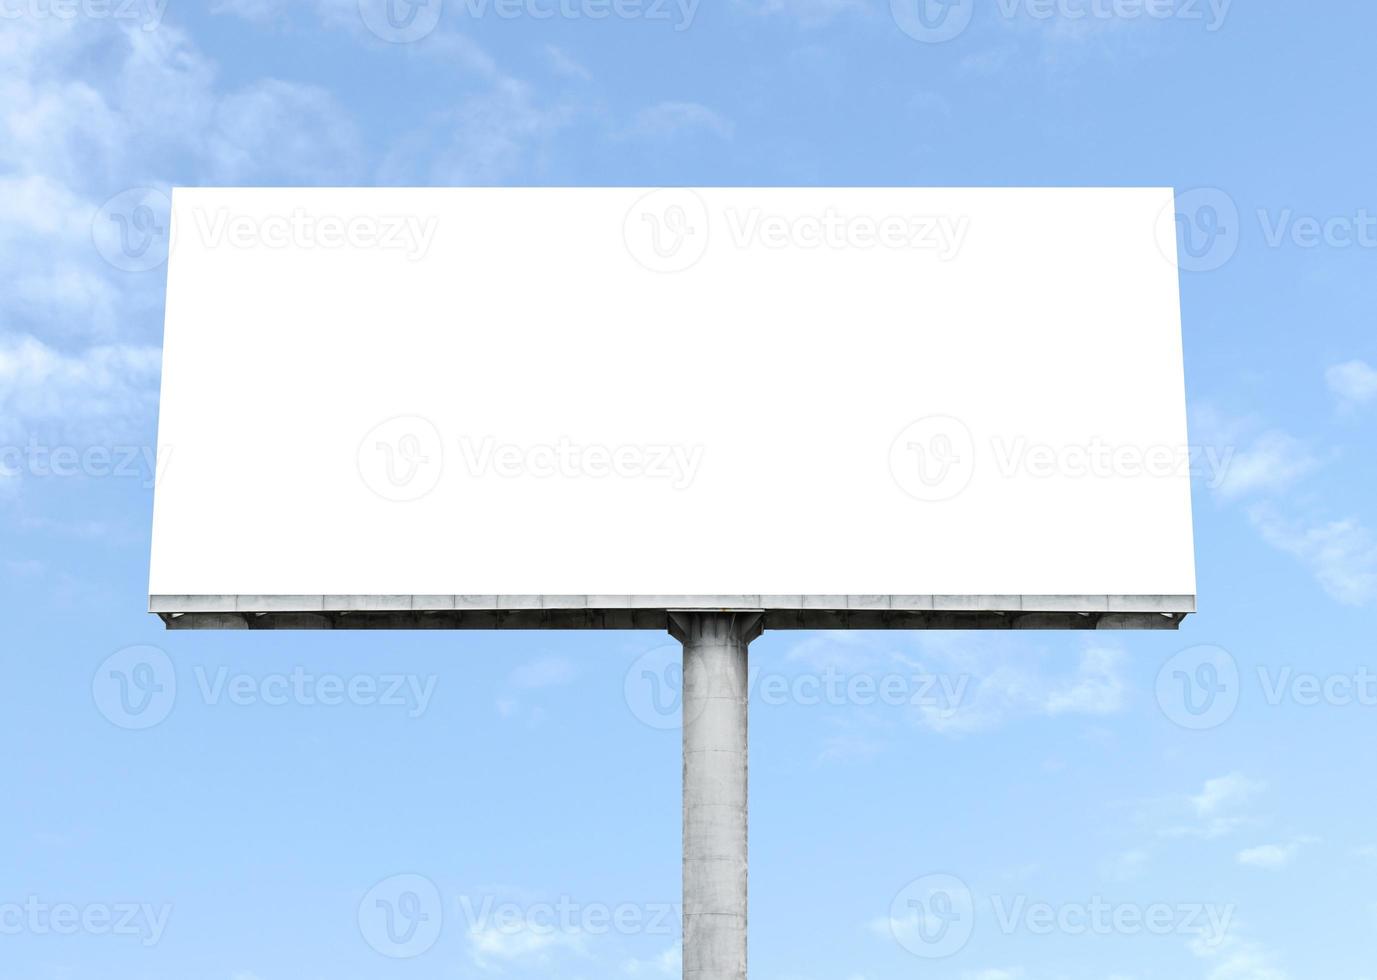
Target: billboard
609, 402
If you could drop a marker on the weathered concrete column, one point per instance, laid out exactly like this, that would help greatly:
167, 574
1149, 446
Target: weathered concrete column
715, 781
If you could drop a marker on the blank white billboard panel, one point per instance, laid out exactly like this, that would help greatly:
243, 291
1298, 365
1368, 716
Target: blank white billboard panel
654, 398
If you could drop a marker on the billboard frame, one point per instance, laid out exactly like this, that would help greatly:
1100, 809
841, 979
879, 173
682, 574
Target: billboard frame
954, 612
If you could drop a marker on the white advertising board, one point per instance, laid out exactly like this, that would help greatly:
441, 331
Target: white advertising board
635, 398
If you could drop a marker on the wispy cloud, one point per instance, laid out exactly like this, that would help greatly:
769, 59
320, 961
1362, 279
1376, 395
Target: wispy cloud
1273, 461
808, 13
493, 948
1126, 866
965, 685
1254, 460
1097, 688
100, 392
1342, 554
333, 13
1231, 957
90, 108
988, 61
551, 671
668, 963
254, 11
667, 119
562, 63
301, 128
1003, 687
1218, 810
487, 137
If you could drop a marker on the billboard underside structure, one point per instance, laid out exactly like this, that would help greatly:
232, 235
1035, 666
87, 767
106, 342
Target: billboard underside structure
590, 408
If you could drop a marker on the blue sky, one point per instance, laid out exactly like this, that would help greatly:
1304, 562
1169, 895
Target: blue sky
257, 807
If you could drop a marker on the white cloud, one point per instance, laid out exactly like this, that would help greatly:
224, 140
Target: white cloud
1126, 866
488, 137
255, 11
1272, 462
1272, 857
492, 947
90, 107
962, 684
100, 389
667, 119
1068, 35
809, 13
1354, 382
1096, 689
561, 63
1341, 554
301, 129
1218, 810
544, 672
1239, 458
1232, 958
334, 13
55, 278
989, 61
996, 683
1225, 793
852, 736
668, 963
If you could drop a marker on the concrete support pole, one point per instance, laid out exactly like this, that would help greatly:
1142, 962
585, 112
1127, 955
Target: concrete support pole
715, 780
